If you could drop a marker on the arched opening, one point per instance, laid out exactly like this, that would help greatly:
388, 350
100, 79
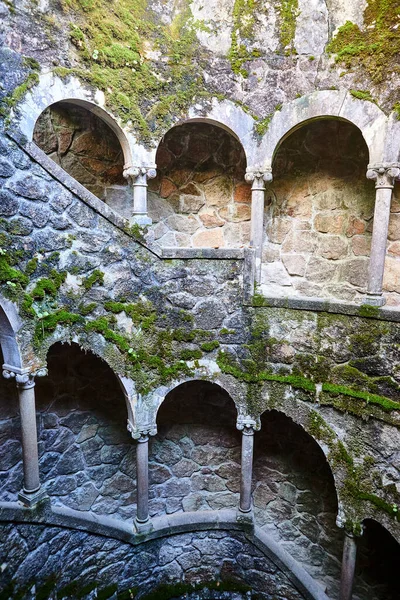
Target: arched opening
378, 559
319, 214
295, 499
10, 440
87, 457
194, 461
87, 148
199, 197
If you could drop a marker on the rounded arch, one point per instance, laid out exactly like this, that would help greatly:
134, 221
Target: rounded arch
9, 325
147, 407
378, 555
305, 417
51, 90
97, 348
229, 117
367, 116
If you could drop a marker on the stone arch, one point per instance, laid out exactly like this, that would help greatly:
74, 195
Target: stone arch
228, 116
194, 461
199, 197
146, 407
97, 347
9, 325
87, 454
320, 210
294, 496
378, 555
369, 119
51, 90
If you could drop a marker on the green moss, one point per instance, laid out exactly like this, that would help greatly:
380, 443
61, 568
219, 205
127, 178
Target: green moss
242, 35
8, 273
362, 95
209, 346
382, 505
95, 278
48, 286
384, 403
225, 331
227, 365
191, 354
87, 309
31, 266
289, 11
374, 48
367, 310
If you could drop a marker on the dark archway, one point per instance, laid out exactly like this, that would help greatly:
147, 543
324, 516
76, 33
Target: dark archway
195, 458
199, 197
10, 440
295, 499
87, 457
87, 149
378, 561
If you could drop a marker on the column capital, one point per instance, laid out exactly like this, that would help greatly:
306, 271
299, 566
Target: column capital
247, 425
258, 177
135, 173
351, 529
384, 174
23, 378
142, 433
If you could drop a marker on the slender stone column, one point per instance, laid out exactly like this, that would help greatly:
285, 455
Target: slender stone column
32, 491
384, 176
141, 435
142, 479
348, 566
258, 179
247, 426
139, 176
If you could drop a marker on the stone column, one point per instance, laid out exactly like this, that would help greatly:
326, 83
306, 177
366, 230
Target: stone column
247, 426
348, 566
384, 176
138, 176
142, 521
32, 492
258, 179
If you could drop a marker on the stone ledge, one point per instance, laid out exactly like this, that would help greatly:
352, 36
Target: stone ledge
331, 306
206, 253
56, 516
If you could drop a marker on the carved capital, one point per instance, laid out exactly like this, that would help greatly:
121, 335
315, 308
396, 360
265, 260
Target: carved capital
142, 433
258, 177
384, 174
247, 424
136, 173
22, 378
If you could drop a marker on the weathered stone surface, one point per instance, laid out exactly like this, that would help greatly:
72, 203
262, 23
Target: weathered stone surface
332, 247
213, 238
327, 223
30, 187
295, 264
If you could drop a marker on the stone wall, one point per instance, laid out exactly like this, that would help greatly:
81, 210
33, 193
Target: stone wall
195, 458
199, 197
319, 214
34, 553
87, 457
87, 149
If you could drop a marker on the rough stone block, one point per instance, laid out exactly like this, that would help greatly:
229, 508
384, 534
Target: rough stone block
295, 264
213, 238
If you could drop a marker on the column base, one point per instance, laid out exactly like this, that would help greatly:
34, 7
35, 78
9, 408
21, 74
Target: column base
245, 517
142, 220
143, 526
375, 300
31, 499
